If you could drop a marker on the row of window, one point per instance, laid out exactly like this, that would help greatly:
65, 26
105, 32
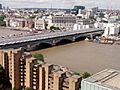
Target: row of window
59, 25
63, 21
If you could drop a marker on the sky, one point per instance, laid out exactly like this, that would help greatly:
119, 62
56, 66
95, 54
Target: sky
108, 4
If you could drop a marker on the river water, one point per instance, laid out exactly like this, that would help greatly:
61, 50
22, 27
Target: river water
84, 56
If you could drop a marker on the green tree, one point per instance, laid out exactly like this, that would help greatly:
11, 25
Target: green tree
76, 73
28, 88
54, 28
101, 15
32, 17
57, 28
46, 25
36, 12
2, 17
13, 88
2, 22
1, 75
3, 80
86, 75
38, 56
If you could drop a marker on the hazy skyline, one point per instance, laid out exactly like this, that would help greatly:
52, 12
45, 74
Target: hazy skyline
111, 4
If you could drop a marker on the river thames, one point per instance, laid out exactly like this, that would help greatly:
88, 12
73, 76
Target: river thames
84, 56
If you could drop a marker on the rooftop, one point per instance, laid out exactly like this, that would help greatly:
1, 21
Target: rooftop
109, 78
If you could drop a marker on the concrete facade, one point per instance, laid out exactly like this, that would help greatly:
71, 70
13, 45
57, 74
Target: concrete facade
108, 79
23, 70
20, 23
39, 23
13, 63
63, 22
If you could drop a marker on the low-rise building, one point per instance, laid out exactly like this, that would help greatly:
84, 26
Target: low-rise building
39, 23
112, 29
19, 23
83, 24
108, 79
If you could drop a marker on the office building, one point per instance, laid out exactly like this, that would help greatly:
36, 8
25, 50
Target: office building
0, 6
63, 22
22, 70
77, 9
108, 79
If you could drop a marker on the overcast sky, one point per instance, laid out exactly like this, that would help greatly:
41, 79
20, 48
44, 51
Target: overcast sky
114, 4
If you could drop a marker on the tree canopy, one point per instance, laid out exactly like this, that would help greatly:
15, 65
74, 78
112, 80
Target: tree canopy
28, 88
2, 76
76, 73
86, 75
38, 56
46, 25
13, 88
2, 22
54, 28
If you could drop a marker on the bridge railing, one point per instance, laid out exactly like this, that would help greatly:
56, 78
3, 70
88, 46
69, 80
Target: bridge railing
45, 36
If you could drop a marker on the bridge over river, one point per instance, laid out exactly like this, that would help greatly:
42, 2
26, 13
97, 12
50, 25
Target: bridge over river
31, 42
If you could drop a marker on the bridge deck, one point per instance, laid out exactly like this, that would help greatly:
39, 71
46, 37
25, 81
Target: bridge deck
13, 40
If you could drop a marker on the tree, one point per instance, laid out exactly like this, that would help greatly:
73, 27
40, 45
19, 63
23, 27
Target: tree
28, 88
101, 15
2, 17
13, 88
1, 75
54, 28
2, 22
46, 25
38, 56
76, 73
36, 12
32, 17
86, 75
4, 82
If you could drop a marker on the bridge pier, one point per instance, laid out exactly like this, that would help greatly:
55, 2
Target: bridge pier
34, 42
53, 43
31, 47
90, 36
73, 39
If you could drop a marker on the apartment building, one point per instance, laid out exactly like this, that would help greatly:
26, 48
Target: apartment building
25, 71
43, 76
13, 61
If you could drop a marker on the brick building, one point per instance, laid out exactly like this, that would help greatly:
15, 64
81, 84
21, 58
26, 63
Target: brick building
23, 70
